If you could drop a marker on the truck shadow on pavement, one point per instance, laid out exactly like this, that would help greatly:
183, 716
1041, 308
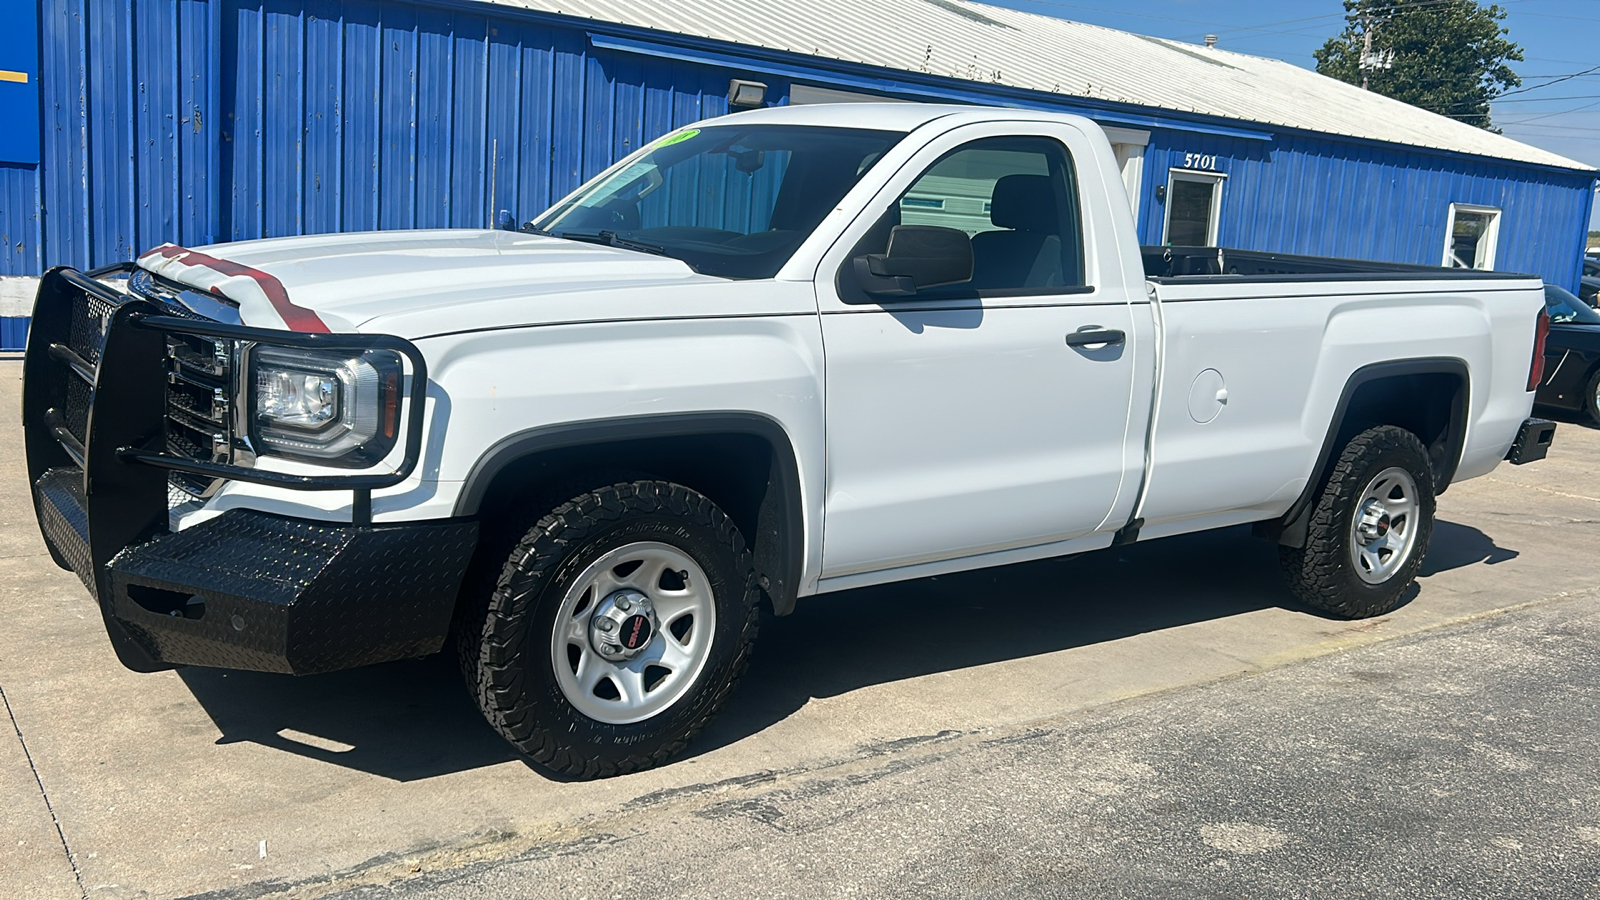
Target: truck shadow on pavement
836, 643
1454, 546
404, 720
1564, 416
412, 720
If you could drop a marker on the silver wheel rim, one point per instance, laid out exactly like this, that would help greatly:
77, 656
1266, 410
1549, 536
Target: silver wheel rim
621, 692
1384, 528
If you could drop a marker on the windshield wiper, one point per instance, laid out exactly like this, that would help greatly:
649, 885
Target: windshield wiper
612, 239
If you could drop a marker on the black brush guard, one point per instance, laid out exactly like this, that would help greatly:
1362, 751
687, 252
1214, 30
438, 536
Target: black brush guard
246, 589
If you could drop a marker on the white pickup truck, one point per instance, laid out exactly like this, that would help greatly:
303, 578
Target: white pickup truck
770, 355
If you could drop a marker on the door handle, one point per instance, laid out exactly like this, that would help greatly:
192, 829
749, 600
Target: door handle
1095, 335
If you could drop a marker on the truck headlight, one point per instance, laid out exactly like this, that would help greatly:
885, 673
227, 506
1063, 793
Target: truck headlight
335, 408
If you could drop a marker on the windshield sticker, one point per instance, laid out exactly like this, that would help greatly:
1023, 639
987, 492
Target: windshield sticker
678, 138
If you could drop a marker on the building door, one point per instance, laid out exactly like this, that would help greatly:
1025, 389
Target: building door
1194, 206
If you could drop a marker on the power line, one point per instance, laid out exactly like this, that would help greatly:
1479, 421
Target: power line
1563, 112
1567, 18
1567, 62
1545, 99
1555, 128
1589, 71
1550, 115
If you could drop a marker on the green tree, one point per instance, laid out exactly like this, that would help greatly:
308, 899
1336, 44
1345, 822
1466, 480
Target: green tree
1447, 56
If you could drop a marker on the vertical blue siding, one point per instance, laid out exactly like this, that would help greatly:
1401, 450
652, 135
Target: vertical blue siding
198, 121
19, 220
13, 332
1330, 198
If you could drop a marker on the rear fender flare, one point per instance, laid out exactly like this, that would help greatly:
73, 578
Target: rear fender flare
1290, 529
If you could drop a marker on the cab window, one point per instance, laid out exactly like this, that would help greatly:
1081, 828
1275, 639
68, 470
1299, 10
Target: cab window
1016, 198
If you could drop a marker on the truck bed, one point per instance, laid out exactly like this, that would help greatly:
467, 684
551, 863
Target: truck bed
1258, 350
1166, 263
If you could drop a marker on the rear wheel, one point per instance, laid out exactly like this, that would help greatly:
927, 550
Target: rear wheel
1369, 529
618, 626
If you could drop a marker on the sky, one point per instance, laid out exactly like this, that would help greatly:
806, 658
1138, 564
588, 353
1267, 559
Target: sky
1559, 38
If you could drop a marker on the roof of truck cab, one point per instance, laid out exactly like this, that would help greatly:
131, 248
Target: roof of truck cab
888, 116
988, 45
878, 116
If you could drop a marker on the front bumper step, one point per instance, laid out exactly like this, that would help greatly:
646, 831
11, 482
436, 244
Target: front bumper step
249, 590
64, 519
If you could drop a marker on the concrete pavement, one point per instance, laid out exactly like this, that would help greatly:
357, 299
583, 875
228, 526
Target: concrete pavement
200, 780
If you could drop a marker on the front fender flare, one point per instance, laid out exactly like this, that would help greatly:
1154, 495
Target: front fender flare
779, 541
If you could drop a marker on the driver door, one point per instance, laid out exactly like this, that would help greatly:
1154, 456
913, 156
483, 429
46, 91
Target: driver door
969, 419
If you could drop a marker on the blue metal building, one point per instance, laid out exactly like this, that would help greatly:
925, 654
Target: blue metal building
133, 122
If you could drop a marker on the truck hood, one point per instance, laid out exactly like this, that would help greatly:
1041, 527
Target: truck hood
346, 282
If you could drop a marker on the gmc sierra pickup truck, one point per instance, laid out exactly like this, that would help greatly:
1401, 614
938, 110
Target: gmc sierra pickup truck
770, 355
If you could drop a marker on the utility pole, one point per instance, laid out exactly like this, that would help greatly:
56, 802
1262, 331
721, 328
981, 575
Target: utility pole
1372, 59
1366, 48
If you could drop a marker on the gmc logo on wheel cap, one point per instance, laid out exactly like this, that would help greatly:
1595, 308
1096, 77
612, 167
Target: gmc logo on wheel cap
635, 632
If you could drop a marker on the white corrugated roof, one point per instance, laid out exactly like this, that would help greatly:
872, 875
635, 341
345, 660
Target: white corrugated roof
976, 42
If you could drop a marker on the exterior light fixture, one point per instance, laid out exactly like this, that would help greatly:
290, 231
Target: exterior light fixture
746, 94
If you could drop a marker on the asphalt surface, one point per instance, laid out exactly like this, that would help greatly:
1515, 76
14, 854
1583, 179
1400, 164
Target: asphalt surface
1084, 725
1460, 763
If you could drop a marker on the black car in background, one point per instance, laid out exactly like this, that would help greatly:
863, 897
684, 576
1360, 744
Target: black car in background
1589, 287
1571, 355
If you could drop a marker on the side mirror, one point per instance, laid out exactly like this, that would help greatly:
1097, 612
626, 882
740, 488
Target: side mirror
919, 256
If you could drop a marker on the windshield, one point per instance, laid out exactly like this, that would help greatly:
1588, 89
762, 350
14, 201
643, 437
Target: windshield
1563, 307
728, 200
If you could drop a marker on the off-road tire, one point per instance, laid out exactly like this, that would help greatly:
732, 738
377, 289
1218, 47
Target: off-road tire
498, 533
515, 684
1322, 572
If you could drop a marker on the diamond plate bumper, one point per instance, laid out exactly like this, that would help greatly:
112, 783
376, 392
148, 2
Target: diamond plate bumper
245, 590
248, 590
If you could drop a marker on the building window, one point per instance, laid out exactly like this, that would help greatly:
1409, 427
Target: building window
1194, 204
1470, 236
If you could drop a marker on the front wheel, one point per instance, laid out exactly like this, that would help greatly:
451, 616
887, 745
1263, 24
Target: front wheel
1369, 529
618, 627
